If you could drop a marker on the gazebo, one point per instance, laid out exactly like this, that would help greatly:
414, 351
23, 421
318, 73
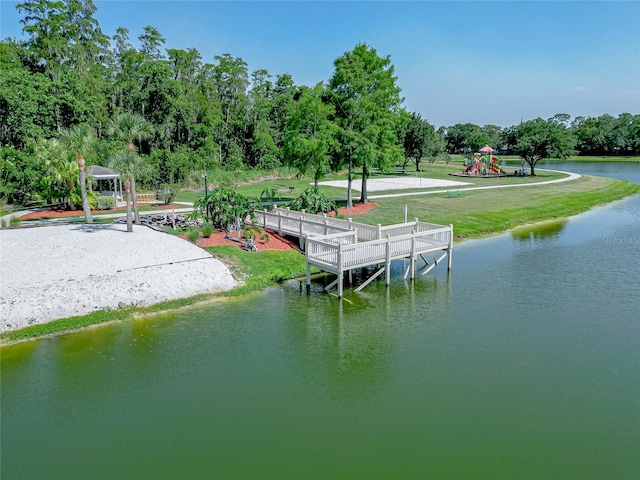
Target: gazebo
107, 178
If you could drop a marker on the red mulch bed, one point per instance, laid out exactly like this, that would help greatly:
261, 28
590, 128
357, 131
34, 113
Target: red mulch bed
358, 208
171, 205
78, 213
276, 242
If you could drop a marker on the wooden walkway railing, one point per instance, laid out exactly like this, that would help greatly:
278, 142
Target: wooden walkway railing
338, 246
146, 197
297, 224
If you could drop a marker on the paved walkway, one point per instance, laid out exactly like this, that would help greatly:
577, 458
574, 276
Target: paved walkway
570, 177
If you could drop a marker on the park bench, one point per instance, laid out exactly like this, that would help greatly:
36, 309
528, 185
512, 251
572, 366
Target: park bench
453, 193
284, 188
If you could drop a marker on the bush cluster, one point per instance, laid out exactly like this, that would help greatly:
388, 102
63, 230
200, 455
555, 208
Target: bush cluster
105, 203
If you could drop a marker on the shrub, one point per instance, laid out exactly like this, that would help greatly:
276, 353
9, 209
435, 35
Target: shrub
167, 194
270, 193
207, 230
251, 232
312, 200
224, 208
105, 203
193, 234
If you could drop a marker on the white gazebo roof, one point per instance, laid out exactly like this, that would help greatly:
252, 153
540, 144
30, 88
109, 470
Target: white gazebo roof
102, 173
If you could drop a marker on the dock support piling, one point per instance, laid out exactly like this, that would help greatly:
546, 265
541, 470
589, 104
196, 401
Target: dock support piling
413, 258
450, 249
387, 262
340, 271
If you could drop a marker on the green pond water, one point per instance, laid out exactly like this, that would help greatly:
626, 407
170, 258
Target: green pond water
524, 362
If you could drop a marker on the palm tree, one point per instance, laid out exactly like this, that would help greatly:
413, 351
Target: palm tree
128, 165
80, 140
129, 127
60, 179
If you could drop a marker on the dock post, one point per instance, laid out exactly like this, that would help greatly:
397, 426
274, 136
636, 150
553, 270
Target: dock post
450, 249
301, 236
387, 262
306, 256
413, 255
340, 271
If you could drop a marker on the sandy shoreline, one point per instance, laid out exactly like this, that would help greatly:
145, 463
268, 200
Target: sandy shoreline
59, 271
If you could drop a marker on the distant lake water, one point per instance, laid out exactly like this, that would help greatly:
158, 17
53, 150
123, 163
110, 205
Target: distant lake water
523, 362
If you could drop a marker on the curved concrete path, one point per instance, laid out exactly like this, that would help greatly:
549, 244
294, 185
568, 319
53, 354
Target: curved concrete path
570, 176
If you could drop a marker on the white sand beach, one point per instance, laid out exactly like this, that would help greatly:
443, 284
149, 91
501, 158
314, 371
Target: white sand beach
59, 271
397, 183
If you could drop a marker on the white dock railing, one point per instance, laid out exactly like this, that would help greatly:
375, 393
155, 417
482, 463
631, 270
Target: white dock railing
365, 232
301, 226
336, 245
340, 252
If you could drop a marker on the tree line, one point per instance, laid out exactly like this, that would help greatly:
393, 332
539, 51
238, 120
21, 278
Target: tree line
199, 116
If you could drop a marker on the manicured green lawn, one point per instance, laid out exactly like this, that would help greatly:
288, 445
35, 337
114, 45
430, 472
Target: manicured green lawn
484, 212
597, 159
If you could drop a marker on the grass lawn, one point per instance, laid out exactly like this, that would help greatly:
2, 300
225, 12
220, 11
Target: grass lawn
596, 159
474, 213
478, 213
436, 171
260, 269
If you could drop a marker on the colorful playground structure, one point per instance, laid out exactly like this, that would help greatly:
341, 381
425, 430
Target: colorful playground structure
486, 164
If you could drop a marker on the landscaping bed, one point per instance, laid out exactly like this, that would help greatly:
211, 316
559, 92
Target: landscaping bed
43, 214
276, 242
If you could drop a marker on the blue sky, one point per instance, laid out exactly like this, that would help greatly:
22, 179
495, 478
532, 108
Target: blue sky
456, 61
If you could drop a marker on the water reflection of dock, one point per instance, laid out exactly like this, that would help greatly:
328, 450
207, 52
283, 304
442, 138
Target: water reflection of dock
339, 246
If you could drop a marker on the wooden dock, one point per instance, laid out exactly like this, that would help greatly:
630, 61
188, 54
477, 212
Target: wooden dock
338, 246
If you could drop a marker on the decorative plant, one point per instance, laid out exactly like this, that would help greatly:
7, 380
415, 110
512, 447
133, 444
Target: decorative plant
193, 234
224, 208
105, 203
312, 200
207, 230
251, 232
168, 193
270, 193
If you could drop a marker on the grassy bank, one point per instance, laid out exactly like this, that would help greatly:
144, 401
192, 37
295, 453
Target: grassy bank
596, 159
258, 270
474, 214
